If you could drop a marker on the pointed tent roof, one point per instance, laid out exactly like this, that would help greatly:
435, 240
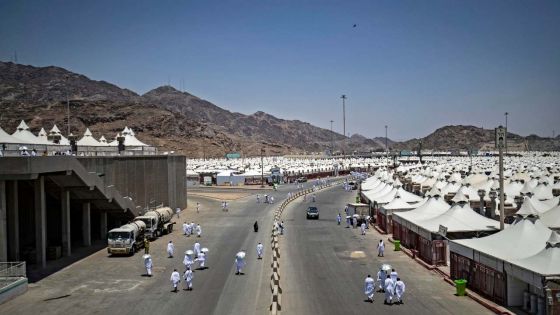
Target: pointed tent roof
55, 131
544, 263
526, 233
551, 218
527, 208
7, 138
24, 134
398, 203
431, 208
459, 218
88, 139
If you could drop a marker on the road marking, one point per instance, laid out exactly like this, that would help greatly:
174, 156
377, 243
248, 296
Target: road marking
357, 254
113, 286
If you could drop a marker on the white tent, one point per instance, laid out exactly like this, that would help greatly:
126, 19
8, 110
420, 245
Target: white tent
129, 139
551, 218
6, 138
431, 208
55, 131
103, 141
459, 218
88, 140
528, 234
43, 136
27, 136
544, 263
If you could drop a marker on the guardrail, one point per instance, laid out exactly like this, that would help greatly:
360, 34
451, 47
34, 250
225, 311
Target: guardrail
11, 272
276, 305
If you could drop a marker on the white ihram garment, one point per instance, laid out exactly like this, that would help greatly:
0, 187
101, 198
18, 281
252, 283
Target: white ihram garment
369, 288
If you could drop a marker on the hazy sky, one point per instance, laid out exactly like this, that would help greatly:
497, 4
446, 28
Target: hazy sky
413, 65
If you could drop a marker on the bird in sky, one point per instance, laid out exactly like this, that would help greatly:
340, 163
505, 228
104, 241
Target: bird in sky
355, 25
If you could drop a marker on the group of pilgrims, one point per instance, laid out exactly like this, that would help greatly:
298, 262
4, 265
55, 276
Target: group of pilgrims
197, 255
388, 283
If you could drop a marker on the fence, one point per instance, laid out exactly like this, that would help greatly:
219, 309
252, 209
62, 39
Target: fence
11, 272
14, 150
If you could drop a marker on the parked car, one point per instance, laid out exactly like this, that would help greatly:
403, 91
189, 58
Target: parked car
312, 213
301, 179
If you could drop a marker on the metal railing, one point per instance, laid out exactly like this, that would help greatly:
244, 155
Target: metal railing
11, 272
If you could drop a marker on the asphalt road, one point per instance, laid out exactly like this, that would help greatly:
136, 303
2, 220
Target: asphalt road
100, 284
323, 267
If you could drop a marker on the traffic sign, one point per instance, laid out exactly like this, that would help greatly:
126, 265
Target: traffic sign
442, 230
500, 137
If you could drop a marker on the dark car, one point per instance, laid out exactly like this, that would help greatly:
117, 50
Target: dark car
312, 213
353, 185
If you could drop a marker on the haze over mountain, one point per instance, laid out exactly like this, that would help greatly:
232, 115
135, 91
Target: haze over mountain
183, 122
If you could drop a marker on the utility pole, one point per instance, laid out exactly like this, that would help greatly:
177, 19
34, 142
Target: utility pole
386, 147
343, 97
332, 139
506, 114
67, 108
262, 168
500, 143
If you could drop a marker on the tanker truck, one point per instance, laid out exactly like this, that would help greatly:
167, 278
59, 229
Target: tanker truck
158, 222
127, 239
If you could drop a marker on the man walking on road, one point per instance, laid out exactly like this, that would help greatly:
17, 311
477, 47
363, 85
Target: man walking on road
188, 276
381, 249
369, 288
146, 246
175, 279
198, 230
338, 219
260, 248
197, 207
389, 290
394, 275
363, 228
170, 249
399, 290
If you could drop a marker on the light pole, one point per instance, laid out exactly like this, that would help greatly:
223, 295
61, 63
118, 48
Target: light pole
506, 114
262, 168
386, 147
343, 97
332, 141
67, 108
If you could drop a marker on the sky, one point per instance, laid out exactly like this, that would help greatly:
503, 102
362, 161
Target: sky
412, 65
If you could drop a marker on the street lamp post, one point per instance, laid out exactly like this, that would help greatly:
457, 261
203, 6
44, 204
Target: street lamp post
332, 141
262, 168
343, 97
67, 108
386, 147
505, 139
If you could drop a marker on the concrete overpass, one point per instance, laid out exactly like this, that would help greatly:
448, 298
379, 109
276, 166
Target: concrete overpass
52, 205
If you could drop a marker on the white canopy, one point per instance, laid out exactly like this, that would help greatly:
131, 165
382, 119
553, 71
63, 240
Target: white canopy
431, 208
88, 140
527, 234
6, 138
459, 218
55, 131
27, 136
542, 264
551, 218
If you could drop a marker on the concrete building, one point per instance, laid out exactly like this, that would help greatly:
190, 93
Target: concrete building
49, 206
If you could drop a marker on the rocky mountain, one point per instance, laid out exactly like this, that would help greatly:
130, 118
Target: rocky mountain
471, 137
164, 116
179, 121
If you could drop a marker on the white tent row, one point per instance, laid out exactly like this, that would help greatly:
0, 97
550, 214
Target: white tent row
23, 135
